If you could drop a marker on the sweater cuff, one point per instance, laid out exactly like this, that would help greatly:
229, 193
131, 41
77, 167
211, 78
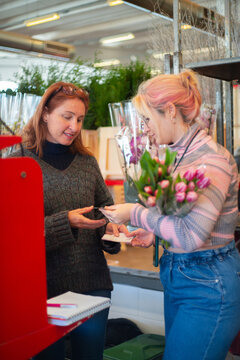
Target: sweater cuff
134, 214
59, 230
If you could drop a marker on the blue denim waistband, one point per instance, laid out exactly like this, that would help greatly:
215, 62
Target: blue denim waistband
201, 255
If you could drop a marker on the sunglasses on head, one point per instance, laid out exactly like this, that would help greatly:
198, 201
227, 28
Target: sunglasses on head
70, 91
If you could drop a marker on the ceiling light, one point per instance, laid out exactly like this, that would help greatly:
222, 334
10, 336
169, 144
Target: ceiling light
186, 27
114, 39
114, 2
41, 20
107, 63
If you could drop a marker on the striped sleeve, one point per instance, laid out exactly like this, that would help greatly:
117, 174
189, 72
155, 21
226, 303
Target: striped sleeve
216, 204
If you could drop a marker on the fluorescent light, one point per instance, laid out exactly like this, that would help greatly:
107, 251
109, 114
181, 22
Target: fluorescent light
186, 27
107, 63
113, 39
114, 2
41, 20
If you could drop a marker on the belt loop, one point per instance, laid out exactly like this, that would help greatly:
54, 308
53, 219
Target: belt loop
171, 266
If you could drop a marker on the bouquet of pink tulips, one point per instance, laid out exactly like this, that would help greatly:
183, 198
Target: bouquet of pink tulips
169, 195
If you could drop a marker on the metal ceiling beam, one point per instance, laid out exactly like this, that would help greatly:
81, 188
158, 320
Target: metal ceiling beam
109, 25
18, 21
197, 16
15, 4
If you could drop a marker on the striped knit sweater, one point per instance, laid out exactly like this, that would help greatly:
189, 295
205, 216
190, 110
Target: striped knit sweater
213, 218
75, 258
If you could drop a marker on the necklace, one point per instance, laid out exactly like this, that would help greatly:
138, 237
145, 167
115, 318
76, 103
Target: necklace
189, 143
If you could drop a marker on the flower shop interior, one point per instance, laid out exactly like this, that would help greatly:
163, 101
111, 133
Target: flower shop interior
109, 48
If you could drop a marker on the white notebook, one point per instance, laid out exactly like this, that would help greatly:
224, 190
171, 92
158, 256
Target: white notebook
81, 307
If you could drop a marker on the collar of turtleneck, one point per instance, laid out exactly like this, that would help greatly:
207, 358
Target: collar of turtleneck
181, 143
52, 148
57, 155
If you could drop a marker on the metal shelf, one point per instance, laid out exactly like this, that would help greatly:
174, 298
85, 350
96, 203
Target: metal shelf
222, 69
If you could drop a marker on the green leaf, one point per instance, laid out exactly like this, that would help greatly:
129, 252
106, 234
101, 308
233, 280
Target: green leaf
159, 193
170, 157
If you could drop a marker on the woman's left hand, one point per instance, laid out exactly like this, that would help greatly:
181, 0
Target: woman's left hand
142, 238
115, 229
118, 214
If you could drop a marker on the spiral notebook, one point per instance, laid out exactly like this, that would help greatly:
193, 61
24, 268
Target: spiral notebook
70, 307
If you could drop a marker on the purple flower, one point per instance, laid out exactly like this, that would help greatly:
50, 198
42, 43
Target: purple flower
200, 173
191, 185
164, 184
180, 196
180, 187
135, 147
189, 174
191, 196
203, 183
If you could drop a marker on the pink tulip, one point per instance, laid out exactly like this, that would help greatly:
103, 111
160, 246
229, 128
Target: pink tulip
148, 189
156, 159
191, 196
164, 184
191, 185
203, 183
151, 201
189, 174
180, 196
200, 173
155, 192
159, 171
180, 187
162, 162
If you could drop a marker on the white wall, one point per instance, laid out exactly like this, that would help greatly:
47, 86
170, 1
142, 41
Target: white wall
142, 306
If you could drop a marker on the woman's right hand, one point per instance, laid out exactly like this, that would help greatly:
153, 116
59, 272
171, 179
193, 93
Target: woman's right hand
77, 220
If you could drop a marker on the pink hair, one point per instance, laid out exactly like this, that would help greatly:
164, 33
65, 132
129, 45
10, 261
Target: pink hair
180, 89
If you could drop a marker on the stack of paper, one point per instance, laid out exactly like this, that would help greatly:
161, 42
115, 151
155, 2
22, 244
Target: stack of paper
70, 307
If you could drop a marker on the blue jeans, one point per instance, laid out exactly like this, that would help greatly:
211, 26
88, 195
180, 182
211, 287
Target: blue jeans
201, 302
87, 340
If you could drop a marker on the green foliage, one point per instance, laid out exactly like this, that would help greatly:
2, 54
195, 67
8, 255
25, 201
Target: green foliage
8, 92
30, 80
104, 86
153, 172
120, 83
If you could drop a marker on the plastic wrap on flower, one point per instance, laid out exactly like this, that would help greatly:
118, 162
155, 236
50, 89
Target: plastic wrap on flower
207, 118
131, 142
168, 194
129, 137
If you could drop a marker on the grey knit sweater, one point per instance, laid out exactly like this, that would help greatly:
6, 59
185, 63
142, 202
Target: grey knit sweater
75, 259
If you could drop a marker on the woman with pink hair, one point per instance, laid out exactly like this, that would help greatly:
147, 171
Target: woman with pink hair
200, 271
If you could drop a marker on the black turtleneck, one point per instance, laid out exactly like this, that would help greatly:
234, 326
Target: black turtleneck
57, 155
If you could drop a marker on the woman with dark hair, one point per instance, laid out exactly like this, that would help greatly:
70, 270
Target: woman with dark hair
73, 191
